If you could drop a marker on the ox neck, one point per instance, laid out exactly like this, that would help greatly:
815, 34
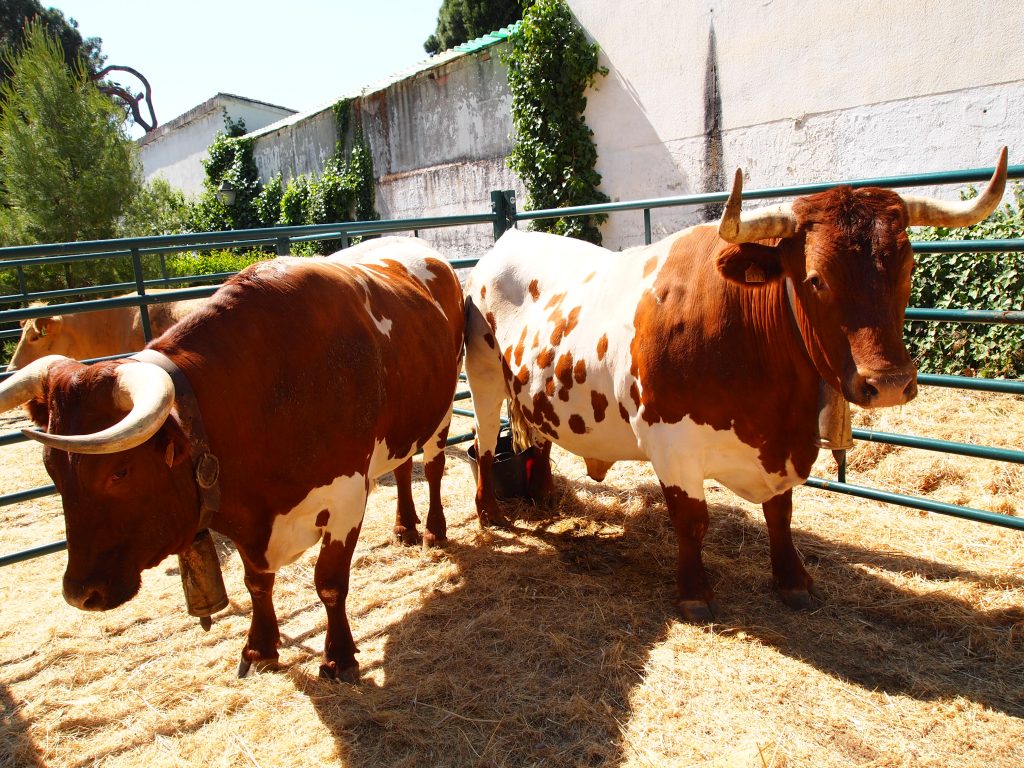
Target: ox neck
205, 466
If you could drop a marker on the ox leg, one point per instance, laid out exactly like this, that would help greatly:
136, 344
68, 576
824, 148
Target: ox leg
405, 516
690, 519
487, 385
331, 577
261, 646
795, 586
433, 468
538, 474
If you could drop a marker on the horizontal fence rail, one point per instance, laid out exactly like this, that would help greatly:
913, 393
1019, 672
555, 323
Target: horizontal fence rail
502, 216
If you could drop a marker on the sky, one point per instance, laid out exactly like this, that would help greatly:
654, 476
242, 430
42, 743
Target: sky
299, 54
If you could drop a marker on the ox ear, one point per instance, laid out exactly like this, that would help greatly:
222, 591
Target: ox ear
750, 264
47, 325
174, 443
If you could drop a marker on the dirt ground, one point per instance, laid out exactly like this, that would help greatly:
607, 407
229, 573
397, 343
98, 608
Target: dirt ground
556, 643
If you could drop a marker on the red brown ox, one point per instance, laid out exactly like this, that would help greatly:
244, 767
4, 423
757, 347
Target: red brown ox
704, 352
102, 333
313, 377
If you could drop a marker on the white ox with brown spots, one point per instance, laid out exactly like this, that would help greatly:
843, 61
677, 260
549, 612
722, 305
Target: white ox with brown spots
703, 353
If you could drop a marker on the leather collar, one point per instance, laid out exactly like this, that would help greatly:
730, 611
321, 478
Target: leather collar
205, 466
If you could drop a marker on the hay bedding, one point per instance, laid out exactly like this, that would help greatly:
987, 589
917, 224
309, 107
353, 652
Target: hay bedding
556, 644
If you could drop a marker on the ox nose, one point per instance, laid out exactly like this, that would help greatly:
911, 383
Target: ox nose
85, 597
880, 390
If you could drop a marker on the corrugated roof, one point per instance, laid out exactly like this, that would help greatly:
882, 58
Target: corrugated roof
487, 40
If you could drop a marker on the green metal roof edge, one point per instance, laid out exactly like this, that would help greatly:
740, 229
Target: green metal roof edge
487, 40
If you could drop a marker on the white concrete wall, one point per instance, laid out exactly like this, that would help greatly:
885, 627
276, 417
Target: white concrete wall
175, 150
439, 139
811, 90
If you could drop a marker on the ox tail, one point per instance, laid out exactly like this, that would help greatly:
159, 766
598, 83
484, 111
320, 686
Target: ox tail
522, 432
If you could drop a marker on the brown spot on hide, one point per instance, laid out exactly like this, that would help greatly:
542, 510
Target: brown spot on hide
523, 376
577, 425
579, 372
559, 330
508, 357
634, 393
602, 346
521, 347
563, 370
554, 301
536, 340
623, 412
549, 387
483, 291
574, 318
544, 411
649, 265
589, 277
490, 321
489, 339
545, 358
322, 518
600, 404
534, 290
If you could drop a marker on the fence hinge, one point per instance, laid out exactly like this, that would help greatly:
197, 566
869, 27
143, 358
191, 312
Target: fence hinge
503, 206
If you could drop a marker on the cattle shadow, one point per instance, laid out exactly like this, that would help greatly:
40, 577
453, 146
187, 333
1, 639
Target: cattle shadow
531, 652
15, 742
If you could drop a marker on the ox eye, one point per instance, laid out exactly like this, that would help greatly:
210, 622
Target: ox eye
119, 475
814, 280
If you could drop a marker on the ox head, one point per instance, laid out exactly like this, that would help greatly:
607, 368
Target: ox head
40, 336
846, 262
120, 462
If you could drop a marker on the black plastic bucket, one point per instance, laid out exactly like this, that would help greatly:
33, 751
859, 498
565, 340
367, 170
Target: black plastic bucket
508, 470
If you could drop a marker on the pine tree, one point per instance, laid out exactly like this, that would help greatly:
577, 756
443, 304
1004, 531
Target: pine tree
67, 168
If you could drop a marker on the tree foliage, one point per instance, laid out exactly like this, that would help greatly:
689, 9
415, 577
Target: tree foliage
459, 21
993, 281
16, 14
550, 66
67, 168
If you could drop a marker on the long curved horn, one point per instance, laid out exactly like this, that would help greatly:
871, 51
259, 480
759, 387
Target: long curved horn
761, 224
145, 389
929, 212
27, 383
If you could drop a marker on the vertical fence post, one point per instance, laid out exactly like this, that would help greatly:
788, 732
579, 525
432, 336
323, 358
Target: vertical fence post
503, 206
140, 287
163, 270
21, 284
282, 247
647, 226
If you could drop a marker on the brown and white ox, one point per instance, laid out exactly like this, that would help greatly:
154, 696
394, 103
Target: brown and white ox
703, 353
102, 333
313, 376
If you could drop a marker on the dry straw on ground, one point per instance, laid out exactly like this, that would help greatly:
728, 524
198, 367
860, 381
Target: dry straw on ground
556, 643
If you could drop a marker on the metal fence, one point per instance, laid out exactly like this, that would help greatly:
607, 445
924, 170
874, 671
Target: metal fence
502, 216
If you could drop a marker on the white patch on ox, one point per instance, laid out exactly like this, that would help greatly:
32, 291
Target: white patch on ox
383, 325
684, 454
294, 532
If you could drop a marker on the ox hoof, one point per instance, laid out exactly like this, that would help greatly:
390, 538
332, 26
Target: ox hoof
495, 519
407, 537
329, 671
430, 541
261, 664
802, 599
698, 611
